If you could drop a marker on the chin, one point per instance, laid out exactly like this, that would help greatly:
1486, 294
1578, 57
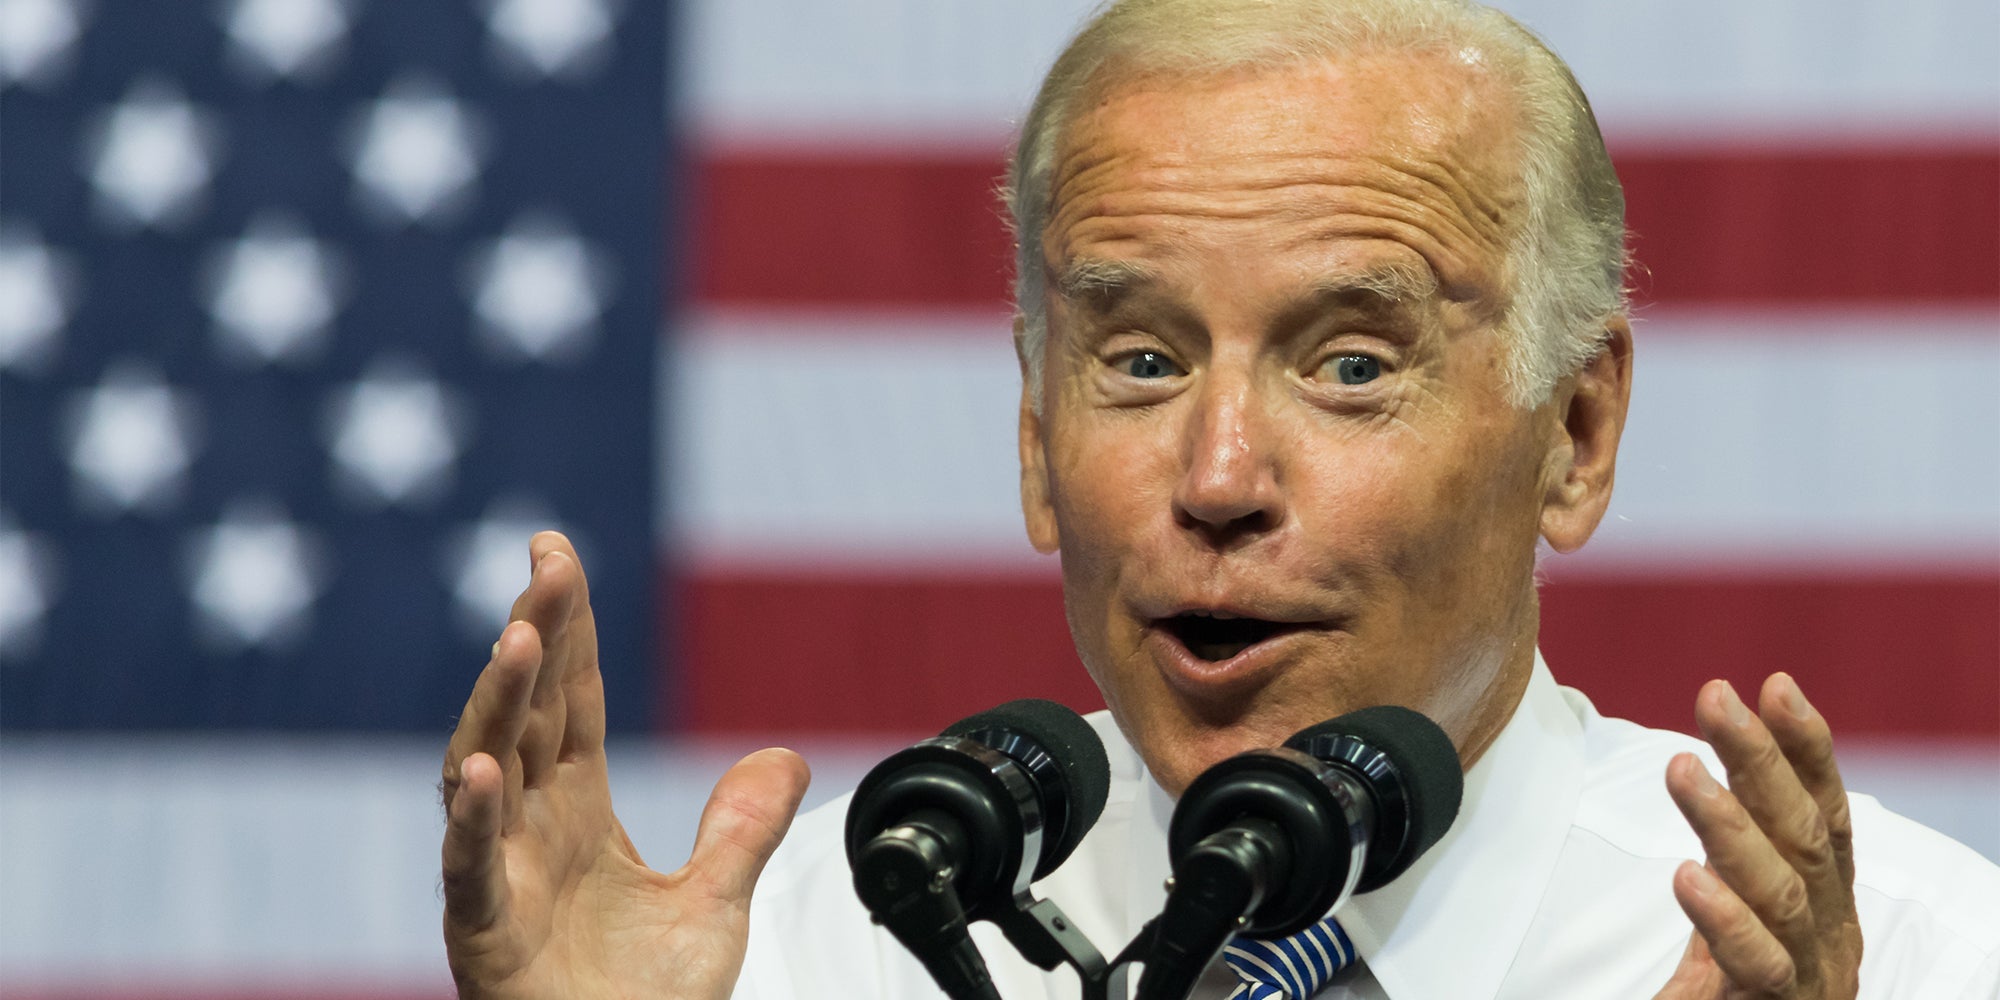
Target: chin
1177, 749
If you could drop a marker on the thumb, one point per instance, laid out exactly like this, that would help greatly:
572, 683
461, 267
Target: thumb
745, 819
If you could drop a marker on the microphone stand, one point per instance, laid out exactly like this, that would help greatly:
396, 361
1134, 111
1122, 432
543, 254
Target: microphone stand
1265, 842
1038, 929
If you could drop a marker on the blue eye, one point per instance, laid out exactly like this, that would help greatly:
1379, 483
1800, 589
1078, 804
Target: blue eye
1150, 365
1356, 369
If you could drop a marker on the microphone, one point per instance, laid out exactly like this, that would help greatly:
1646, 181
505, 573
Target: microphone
1267, 842
955, 828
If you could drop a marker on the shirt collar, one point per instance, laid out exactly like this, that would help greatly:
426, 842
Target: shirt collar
1473, 895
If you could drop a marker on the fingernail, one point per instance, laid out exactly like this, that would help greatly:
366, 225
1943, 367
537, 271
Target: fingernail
1795, 700
496, 649
1739, 715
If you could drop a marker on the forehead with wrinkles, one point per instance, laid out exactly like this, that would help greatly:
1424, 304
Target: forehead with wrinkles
1415, 149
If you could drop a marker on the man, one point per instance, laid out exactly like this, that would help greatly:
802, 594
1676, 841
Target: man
1321, 335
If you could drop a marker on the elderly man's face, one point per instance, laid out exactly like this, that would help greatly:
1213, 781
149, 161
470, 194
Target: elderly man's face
1275, 449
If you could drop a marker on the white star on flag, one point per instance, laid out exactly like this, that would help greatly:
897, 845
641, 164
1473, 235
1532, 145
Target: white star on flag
151, 156
27, 583
273, 292
416, 152
538, 290
36, 288
253, 578
486, 563
131, 440
550, 37
395, 434
286, 38
37, 39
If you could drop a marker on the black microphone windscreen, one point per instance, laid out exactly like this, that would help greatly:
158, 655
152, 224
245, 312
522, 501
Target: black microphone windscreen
1423, 755
1076, 751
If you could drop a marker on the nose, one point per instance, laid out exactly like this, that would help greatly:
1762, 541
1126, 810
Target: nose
1229, 490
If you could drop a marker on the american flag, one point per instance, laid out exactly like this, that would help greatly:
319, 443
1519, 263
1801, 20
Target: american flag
312, 310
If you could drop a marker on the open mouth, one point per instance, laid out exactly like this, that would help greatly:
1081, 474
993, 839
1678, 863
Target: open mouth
1215, 638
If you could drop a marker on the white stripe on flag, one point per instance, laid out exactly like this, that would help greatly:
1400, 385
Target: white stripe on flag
1795, 439
194, 864
934, 72
212, 863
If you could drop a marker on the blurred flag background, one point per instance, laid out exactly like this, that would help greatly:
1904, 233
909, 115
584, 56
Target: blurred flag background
311, 311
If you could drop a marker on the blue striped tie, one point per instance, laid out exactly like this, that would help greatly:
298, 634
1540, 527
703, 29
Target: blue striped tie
1295, 967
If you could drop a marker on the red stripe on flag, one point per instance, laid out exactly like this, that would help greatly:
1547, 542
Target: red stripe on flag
1816, 225
770, 653
1895, 656
1831, 227
1879, 656
797, 227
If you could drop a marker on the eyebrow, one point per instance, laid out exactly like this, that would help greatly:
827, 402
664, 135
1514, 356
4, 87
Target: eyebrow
1102, 280
1392, 282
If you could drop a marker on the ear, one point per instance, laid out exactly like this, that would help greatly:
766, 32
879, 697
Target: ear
1583, 453
1036, 498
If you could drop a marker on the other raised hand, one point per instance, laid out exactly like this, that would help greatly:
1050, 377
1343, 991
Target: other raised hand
1773, 907
544, 894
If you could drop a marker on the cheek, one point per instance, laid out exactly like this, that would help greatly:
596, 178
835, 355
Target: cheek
1104, 480
1482, 528
1470, 568
1084, 478
1443, 525
1111, 490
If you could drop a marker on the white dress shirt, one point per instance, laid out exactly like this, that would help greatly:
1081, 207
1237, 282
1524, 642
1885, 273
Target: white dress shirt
1554, 883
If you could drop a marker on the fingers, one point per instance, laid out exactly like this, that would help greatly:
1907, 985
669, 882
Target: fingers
1775, 903
1807, 742
497, 711
745, 819
1802, 733
581, 684
518, 712
1743, 950
474, 875
555, 588
568, 698
1765, 779
1764, 836
546, 605
1748, 904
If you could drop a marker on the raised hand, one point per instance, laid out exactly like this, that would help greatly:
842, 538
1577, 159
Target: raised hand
544, 894
1773, 909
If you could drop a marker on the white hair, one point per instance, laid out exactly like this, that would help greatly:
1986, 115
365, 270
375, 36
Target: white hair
1566, 257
